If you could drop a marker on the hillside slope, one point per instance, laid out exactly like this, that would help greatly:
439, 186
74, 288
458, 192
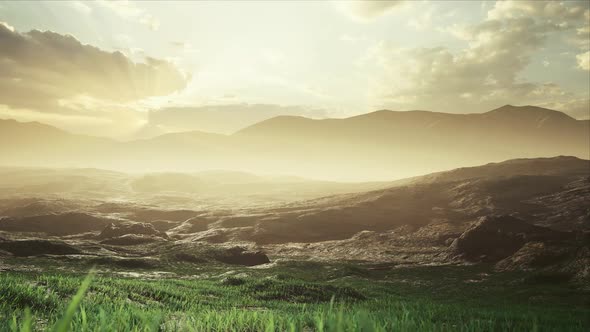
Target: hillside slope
552, 192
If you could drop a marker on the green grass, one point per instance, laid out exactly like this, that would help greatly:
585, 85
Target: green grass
292, 297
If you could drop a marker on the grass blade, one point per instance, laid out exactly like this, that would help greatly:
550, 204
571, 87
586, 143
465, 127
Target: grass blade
64, 323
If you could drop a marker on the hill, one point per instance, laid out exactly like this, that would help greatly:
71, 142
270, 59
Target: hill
547, 192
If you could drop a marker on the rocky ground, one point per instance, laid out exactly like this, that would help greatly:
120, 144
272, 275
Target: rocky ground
517, 215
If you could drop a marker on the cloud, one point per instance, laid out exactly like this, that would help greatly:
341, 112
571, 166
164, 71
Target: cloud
367, 10
80, 6
582, 38
422, 21
130, 11
39, 70
560, 14
483, 75
578, 108
552, 10
101, 119
6, 26
584, 60
123, 39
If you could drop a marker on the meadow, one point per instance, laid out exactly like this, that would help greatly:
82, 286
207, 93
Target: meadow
292, 296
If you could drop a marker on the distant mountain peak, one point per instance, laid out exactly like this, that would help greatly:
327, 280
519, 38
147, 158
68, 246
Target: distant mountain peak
527, 110
7, 124
276, 123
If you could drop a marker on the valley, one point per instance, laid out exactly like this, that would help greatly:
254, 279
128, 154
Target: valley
192, 230
524, 220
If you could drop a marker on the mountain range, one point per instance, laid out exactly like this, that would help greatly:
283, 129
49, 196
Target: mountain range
382, 145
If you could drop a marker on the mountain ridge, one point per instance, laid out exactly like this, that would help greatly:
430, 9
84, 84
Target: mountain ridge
379, 113
377, 146
384, 114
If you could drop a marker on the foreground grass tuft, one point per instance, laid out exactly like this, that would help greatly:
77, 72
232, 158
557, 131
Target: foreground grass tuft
63, 325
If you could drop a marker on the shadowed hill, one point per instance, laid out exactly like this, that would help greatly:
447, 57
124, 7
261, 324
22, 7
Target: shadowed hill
546, 192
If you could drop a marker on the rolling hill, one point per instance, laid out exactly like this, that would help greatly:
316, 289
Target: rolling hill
549, 192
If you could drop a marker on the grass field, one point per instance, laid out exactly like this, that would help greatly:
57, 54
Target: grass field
293, 297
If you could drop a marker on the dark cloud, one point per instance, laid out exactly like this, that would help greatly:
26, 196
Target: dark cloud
40, 69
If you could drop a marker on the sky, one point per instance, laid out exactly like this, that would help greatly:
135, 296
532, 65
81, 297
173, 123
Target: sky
99, 67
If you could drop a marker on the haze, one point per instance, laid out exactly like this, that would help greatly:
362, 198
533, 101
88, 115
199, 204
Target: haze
196, 86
